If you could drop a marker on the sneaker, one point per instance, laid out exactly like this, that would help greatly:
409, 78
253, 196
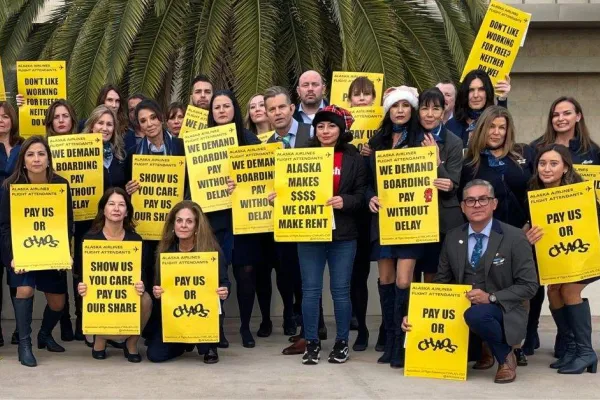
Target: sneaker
312, 354
339, 354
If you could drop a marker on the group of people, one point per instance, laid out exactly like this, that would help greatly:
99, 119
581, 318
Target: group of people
483, 177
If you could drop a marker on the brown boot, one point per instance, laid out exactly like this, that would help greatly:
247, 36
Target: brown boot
507, 372
297, 347
487, 359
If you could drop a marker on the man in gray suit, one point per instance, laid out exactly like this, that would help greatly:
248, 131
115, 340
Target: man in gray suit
280, 112
497, 260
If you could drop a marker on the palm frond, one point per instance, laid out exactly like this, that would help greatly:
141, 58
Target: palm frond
459, 34
156, 48
341, 14
255, 22
476, 10
27, 14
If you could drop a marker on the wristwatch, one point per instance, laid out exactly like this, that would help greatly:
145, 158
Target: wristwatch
492, 298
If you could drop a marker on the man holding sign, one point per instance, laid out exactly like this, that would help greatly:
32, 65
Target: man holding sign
496, 259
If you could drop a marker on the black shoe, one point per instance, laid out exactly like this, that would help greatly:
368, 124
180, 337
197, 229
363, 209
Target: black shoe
132, 358
23, 315
532, 342
14, 339
49, 321
46, 341
289, 327
340, 352
66, 330
79, 336
362, 341
265, 329
88, 344
247, 339
212, 356
580, 321
189, 348
116, 345
323, 333
387, 296
353, 324
223, 342
563, 328
312, 354
380, 345
521, 357
99, 354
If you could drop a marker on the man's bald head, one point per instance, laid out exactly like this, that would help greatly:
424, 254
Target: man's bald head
311, 88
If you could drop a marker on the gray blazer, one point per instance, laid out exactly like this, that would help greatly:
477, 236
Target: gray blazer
302, 136
452, 160
509, 272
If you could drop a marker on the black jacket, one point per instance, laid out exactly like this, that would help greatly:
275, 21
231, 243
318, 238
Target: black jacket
117, 174
5, 223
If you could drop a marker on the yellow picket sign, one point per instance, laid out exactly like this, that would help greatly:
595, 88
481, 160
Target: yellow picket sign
206, 154
366, 124
264, 137
497, 44
41, 83
253, 170
569, 250
409, 201
39, 226
161, 180
195, 119
190, 305
304, 184
2, 87
340, 85
79, 159
438, 344
590, 173
111, 305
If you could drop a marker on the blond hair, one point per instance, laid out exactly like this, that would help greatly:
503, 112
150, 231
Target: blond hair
116, 141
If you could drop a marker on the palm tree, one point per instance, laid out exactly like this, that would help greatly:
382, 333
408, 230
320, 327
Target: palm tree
156, 47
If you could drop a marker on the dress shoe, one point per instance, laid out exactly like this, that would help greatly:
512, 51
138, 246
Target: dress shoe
265, 329
132, 358
247, 338
507, 372
294, 339
362, 341
99, 354
87, 342
521, 357
46, 341
296, 348
223, 343
487, 359
212, 356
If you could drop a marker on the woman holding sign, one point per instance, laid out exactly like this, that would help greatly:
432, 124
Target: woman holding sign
34, 166
396, 263
186, 230
256, 120
10, 145
60, 119
571, 313
475, 94
349, 185
175, 116
449, 166
114, 222
224, 109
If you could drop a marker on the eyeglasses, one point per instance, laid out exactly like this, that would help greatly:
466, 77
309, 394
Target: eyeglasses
483, 201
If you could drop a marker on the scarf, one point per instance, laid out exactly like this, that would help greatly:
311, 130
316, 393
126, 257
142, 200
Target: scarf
474, 115
108, 155
403, 135
497, 164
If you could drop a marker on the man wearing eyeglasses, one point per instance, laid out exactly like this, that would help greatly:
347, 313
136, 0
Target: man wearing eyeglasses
497, 260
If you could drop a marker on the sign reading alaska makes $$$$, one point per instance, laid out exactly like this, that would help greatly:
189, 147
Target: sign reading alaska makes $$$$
409, 201
569, 250
79, 159
304, 184
208, 166
161, 180
253, 170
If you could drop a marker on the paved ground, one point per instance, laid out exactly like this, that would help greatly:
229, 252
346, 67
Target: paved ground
263, 372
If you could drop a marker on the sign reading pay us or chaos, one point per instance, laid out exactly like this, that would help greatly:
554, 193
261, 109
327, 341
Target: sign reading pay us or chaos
111, 305
253, 170
39, 226
409, 201
500, 36
78, 158
208, 167
304, 184
41, 83
438, 344
569, 250
190, 305
161, 180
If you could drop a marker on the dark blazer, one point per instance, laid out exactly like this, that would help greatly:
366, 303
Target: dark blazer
117, 174
353, 183
590, 157
5, 234
147, 256
302, 136
510, 271
459, 128
297, 115
510, 188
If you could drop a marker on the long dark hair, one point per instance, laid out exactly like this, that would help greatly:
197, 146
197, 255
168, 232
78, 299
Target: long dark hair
571, 176
13, 136
122, 115
461, 107
581, 131
99, 220
238, 119
50, 117
384, 138
20, 173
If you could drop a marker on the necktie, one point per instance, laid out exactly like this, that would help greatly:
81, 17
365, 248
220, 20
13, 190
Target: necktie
286, 141
477, 250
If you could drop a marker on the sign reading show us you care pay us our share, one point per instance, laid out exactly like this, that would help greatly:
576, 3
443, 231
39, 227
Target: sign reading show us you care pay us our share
41, 83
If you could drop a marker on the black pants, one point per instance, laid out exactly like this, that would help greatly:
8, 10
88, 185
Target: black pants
359, 290
287, 268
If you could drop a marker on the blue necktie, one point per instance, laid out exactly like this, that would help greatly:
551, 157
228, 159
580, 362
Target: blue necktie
477, 250
286, 141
